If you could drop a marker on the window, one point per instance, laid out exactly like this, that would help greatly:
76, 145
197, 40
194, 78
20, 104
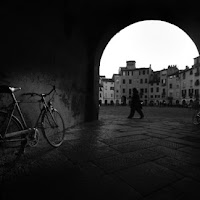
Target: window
145, 80
157, 89
190, 92
143, 72
123, 81
196, 92
130, 81
163, 81
145, 90
123, 90
197, 82
129, 91
141, 80
170, 86
151, 89
111, 88
183, 93
183, 75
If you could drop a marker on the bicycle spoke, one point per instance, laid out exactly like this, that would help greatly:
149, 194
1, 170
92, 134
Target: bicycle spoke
53, 128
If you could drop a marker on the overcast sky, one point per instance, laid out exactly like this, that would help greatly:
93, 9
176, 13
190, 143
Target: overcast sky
148, 42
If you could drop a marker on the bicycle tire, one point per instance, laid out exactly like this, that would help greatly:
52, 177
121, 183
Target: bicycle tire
10, 150
196, 118
53, 134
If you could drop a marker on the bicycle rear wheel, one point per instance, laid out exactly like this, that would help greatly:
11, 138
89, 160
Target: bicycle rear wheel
12, 148
196, 118
53, 128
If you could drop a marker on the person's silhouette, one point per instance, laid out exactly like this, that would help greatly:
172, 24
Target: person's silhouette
135, 104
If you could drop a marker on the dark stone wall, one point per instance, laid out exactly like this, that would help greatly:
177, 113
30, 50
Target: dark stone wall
39, 48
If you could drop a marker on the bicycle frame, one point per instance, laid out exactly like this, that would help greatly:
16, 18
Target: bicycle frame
15, 106
26, 130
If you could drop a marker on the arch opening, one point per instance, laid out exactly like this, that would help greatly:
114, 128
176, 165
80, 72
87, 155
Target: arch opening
154, 42
150, 47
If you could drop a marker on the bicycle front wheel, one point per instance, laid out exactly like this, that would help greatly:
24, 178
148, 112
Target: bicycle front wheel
53, 128
12, 148
196, 118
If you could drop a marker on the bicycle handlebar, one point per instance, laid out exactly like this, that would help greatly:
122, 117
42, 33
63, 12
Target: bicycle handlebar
42, 94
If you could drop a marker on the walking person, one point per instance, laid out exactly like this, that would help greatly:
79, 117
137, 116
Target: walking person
135, 105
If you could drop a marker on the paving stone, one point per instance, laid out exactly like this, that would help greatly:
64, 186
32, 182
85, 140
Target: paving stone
112, 186
185, 142
180, 166
156, 135
165, 143
190, 150
191, 139
166, 193
188, 187
148, 177
177, 154
133, 146
125, 160
125, 139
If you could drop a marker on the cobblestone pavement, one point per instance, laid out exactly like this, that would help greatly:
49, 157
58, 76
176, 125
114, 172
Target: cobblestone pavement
157, 157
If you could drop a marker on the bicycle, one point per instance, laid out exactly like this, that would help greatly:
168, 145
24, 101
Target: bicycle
15, 135
196, 117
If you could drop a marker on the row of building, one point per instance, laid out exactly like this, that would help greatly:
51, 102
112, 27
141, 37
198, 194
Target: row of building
168, 86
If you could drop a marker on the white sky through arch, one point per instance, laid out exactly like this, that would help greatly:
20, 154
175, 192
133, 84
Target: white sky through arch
148, 42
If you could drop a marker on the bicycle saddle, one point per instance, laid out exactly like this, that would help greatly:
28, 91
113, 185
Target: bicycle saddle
8, 89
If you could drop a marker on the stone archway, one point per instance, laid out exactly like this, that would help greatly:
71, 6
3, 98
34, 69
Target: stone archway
62, 42
187, 24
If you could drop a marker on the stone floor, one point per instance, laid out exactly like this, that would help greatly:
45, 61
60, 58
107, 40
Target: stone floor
157, 157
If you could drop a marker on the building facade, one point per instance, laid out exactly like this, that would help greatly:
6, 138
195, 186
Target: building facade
117, 88
107, 94
169, 86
